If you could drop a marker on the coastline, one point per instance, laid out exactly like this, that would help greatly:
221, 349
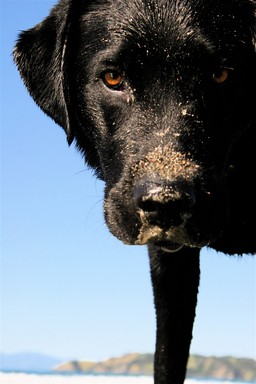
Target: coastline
80, 378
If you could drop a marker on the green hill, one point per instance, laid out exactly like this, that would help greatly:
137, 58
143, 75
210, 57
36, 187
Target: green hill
229, 368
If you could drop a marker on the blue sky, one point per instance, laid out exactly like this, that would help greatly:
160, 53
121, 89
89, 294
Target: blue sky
68, 288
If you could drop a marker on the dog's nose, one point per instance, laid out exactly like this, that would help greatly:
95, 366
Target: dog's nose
165, 203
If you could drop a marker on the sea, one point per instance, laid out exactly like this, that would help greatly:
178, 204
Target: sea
35, 378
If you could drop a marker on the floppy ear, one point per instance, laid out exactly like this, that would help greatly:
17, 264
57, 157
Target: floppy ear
40, 56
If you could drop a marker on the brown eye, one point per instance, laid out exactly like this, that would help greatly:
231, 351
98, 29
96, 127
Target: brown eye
113, 79
220, 76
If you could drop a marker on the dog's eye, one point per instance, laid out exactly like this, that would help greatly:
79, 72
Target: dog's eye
113, 79
220, 76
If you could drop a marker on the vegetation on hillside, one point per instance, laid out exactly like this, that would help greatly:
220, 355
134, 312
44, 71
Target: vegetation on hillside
229, 368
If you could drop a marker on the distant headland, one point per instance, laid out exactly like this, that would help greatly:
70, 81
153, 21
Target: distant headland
229, 368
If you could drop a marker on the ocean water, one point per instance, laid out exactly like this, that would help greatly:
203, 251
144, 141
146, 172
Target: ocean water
32, 378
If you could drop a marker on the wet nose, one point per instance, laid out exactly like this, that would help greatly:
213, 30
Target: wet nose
165, 203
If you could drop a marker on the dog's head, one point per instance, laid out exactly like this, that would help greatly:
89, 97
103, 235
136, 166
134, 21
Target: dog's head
160, 98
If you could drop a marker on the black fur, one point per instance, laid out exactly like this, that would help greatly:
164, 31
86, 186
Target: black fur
173, 138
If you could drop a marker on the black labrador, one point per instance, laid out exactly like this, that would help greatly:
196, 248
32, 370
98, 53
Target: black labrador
159, 96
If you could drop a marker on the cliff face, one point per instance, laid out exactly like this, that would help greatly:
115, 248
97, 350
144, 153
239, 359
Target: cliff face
230, 368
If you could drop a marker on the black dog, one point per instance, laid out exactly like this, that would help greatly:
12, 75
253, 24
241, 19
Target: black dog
160, 98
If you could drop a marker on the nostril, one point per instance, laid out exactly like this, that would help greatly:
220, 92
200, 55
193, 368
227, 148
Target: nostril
144, 193
153, 210
149, 206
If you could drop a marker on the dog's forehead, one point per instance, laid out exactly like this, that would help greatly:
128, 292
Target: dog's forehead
158, 28
154, 25
166, 25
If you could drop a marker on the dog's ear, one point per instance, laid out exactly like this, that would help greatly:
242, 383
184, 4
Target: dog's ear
40, 56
